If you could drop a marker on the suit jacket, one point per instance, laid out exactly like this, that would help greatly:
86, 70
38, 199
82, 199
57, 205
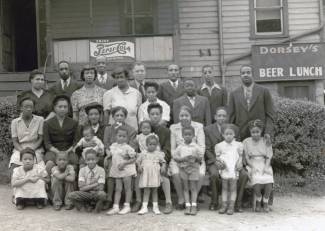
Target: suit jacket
136, 85
200, 112
217, 98
60, 138
109, 83
212, 137
168, 93
261, 107
56, 89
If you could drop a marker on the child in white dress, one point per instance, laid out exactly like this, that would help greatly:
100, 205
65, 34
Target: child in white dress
122, 170
229, 156
258, 156
28, 181
150, 162
141, 139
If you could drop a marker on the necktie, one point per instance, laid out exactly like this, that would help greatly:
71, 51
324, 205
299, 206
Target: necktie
174, 85
248, 97
65, 85
192, 100
101, 79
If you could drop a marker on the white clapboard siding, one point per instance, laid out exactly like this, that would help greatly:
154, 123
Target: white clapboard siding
74, 51
198, 25
154, 48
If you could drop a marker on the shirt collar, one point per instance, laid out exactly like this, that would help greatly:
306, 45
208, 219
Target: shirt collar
215, 85
20, 118
94, 169
248, 88
96, 127
172, 83
67, 81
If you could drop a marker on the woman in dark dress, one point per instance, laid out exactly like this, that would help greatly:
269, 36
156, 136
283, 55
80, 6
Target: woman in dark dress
60, 134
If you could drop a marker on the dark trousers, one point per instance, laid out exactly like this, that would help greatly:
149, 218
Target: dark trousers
25, 201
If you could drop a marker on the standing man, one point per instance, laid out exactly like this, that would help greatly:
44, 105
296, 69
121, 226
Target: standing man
250, 102
66, 85
139, 74
216, 94
199, 105
103, 79
173, 88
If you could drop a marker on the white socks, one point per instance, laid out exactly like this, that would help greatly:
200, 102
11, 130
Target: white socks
144, 208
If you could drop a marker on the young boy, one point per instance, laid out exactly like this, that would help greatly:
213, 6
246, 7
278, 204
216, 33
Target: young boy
91, 184
188, 157
63, 181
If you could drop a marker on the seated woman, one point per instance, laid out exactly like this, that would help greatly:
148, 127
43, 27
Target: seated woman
89, 93
26, 131
185, 118
60, 134
41, 97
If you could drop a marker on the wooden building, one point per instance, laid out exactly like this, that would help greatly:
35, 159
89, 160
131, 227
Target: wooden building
191, 33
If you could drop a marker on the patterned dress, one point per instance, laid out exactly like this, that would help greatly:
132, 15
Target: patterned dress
84, 96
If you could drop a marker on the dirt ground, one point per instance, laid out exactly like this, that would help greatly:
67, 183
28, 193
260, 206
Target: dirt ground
296, 212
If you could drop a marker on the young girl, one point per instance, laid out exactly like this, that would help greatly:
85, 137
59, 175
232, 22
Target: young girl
258, 157
141, 139
150, 162
119, 115
89, 140
28, 181
122, 170
188, 157
229, 157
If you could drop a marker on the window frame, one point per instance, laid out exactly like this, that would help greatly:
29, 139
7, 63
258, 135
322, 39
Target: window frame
123, 29
253, 22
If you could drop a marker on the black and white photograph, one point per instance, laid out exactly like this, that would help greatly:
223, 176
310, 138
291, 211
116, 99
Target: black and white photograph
162, 115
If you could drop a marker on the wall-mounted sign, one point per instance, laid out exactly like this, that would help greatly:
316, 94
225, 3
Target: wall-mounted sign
112, 49
301, 61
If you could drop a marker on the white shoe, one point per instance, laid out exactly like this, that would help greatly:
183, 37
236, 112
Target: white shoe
156, 210
125, 210
143, 210
113, 211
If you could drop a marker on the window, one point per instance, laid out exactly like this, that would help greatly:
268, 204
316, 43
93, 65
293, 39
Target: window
138, 17
269, 18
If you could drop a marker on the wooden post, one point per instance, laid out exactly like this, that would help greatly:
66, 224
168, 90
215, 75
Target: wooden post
176, 34
38, 33
49, 43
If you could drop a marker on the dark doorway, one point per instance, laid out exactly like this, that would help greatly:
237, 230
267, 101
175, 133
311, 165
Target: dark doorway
25, 35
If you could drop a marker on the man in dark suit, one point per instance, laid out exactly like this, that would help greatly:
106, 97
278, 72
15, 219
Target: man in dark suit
103, 79
66, 85
216, 94
199, 104
250, 102
139, 74
172, 88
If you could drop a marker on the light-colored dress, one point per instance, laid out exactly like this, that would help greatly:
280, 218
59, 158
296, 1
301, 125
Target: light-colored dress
27, 137
120, 154
131, 99
150, 163
176, 139
30, 190
84, 96
229, 153
257, 153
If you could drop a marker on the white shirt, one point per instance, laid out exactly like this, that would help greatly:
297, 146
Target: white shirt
67, 82
174, 84
102, 78
192, 100
204, 85
248, 91
143, 111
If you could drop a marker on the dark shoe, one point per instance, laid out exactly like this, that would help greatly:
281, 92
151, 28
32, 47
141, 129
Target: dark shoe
231, 207
213, 206
223, 209
68, 207
20, 207
239, 209
180, 206
200, 198
136, 207
187, 210
99, 206
193, 210
39, 205
57, 207
79, 206
107, 205
258, 206
168, 208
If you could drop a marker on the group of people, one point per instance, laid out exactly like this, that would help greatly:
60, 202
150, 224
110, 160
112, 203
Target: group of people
112, 139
